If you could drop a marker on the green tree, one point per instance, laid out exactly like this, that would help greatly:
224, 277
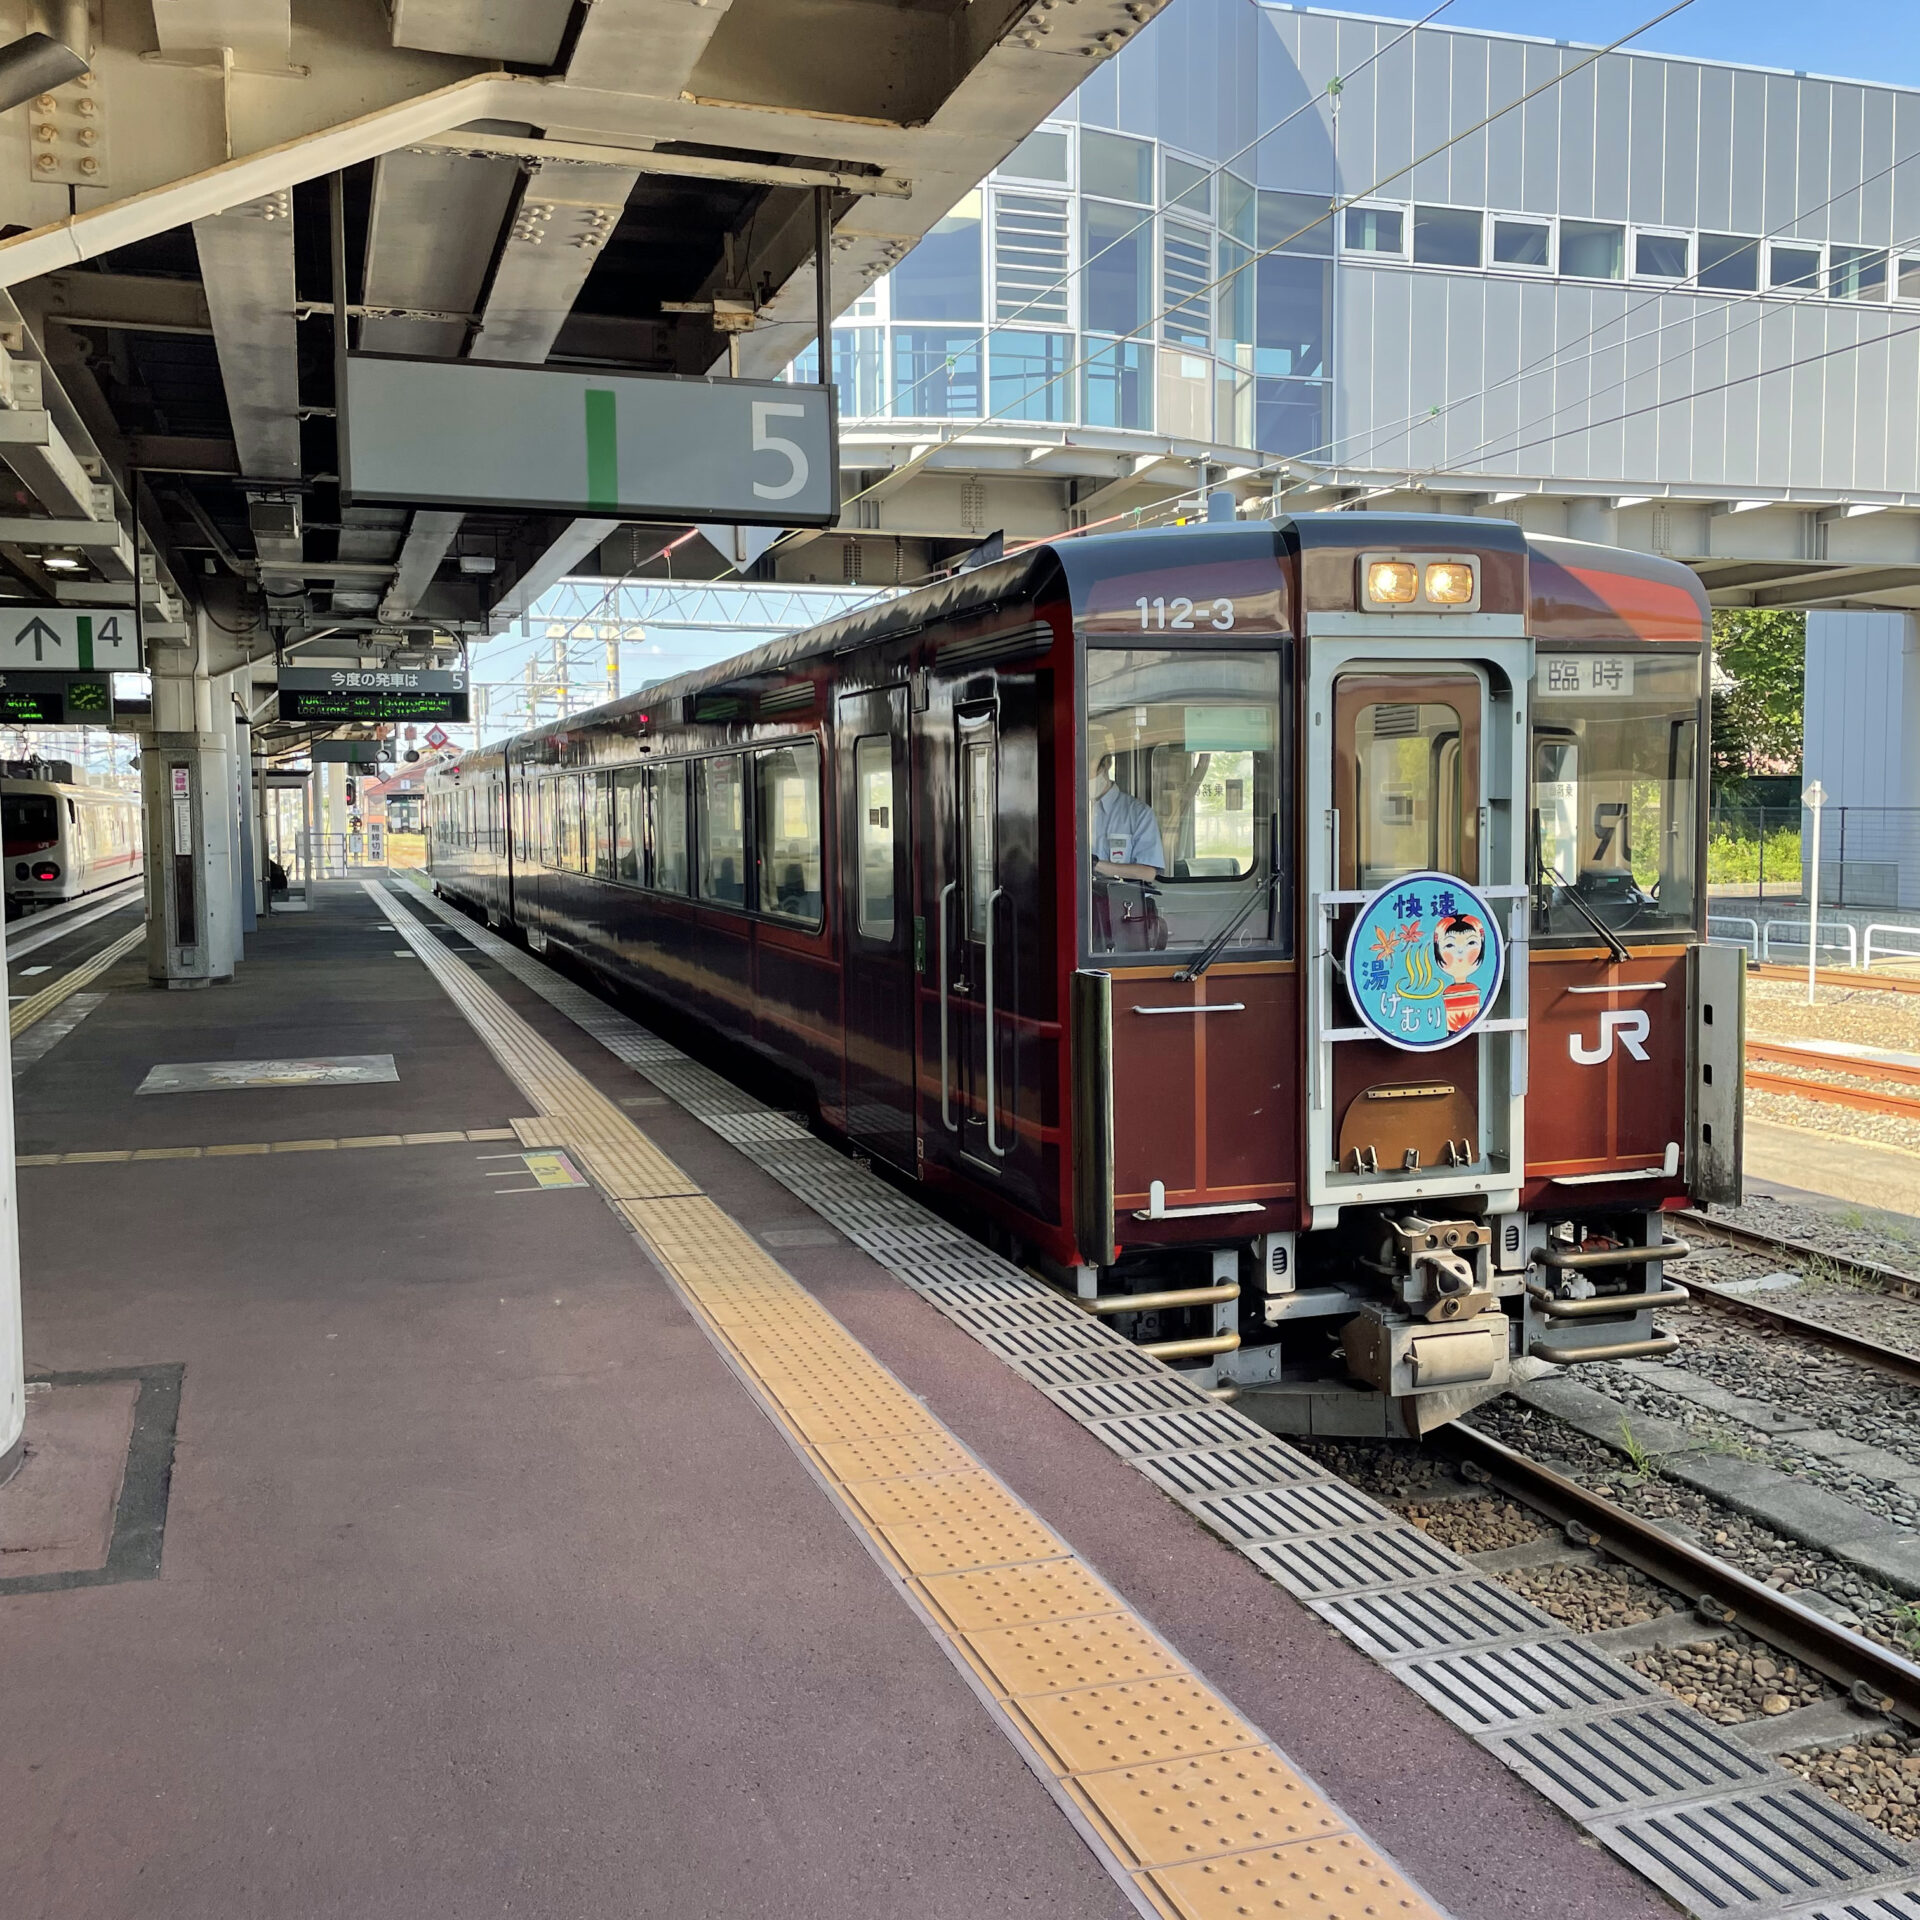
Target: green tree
1758, 703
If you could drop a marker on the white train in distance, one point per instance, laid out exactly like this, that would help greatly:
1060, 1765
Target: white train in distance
60, 839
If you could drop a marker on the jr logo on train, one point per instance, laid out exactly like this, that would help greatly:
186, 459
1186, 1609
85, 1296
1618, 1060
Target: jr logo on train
1293, 928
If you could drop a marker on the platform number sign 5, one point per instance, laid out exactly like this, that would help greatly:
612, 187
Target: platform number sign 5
765, 440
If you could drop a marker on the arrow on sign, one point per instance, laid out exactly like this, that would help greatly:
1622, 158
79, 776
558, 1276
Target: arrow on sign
39, 633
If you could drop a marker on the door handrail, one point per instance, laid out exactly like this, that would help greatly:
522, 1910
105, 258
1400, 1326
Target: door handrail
946, 1070
993, 1133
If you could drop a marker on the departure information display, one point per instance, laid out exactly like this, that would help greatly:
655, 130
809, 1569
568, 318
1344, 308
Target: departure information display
55, 699
330, 695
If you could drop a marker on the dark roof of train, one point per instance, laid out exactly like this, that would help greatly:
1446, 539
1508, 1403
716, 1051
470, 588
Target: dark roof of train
1077, 562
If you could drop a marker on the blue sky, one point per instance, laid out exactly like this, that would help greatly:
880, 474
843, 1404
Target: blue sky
1856, 39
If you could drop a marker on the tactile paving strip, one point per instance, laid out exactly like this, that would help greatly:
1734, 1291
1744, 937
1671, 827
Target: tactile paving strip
1085, 1684
1468, 1644
37, 1005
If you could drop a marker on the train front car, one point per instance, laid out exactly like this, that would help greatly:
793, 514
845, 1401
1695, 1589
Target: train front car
1393, 1029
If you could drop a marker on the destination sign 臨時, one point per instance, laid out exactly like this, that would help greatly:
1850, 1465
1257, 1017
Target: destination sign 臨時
330, 695
55, 699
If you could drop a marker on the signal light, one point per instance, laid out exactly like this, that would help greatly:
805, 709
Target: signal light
1450, 583
1392, 583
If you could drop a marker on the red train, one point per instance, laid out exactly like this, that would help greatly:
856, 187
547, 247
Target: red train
1288, 936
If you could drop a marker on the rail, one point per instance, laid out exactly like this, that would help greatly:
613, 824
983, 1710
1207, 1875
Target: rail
1823, 937
1751, 943
1891, 953
1875, 1676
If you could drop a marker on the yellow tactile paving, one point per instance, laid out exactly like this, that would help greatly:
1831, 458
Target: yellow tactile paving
976, 1599
37, 1006
452, 1137
1169, 1718
1181, 1810
1158, 1764
1338, 1878
1047, 1656
852, 1461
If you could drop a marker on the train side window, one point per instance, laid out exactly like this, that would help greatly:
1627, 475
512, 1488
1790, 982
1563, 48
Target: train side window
598, 788
723, 830
566, 823
629, 824
874, 834
977, 798
668, 791
787, 826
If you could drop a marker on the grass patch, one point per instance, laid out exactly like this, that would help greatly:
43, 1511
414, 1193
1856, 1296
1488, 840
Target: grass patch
1645, 1464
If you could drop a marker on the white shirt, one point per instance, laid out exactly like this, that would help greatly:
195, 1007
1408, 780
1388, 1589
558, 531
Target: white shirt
1124, 831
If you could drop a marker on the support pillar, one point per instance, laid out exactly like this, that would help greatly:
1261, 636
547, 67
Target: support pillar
240, 780
188, 793
13, 1351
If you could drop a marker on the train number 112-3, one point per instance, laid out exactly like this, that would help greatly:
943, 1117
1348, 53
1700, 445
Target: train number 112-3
1181, 615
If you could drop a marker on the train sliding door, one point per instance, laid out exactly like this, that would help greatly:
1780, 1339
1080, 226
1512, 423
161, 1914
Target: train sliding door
876, 909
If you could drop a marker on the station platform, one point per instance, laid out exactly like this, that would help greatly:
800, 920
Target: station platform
461, 1479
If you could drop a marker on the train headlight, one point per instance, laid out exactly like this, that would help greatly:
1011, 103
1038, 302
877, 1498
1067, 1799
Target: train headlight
1450, 583
1392, 583
46, 870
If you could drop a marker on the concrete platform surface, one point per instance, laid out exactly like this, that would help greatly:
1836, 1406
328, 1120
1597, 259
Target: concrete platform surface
488, 1588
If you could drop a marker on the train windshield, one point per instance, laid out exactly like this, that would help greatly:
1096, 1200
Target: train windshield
1183, 799
29, 821
1615, 791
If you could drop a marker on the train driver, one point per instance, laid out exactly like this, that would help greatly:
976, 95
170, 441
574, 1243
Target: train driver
1124, 835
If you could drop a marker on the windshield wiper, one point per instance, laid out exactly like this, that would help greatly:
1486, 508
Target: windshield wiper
1614, 946
1218, 944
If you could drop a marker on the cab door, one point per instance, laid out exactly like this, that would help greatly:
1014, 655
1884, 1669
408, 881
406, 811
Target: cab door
1414, 756
976, 923
1406, 757
876, 921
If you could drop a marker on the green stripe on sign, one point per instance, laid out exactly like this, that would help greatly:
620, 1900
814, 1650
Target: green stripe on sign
86, 642
603, 450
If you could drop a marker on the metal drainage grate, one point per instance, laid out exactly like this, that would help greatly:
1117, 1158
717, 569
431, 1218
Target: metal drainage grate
1016, 1310
1180, 1432
1318, 1506
1499, 1687
1752, 1851
1627, 1760
1113, 1399
1325, 1564
1458, 1613
1896, 1903
1107, 1358
1086, 1366
1220, 1469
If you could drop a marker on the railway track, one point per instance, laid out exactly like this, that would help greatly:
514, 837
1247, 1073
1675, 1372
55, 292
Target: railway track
1754, 1307
1840, 977
1874, 1677
1858, 1064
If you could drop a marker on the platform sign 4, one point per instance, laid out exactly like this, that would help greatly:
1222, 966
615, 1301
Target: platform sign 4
1424, 961
70, 639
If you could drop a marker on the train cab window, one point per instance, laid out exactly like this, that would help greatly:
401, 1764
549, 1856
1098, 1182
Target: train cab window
629, 825
1183, 801
787, 824
29, 821
874, 831
1615, 792
1411, 808
721, 799
667, 837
